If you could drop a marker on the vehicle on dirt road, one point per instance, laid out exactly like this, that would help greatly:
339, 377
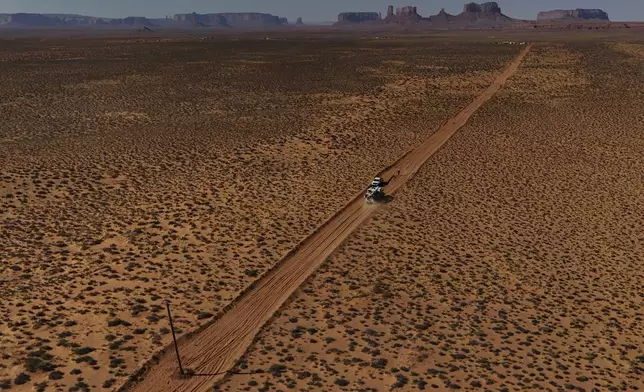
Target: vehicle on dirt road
376, 191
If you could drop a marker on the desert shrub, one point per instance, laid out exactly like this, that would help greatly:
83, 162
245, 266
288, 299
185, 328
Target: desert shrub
115, 345
5, 384
341, 382
32, 364
41, 387
56, 375
21, 379
303, 375
79, 386
277, 369
252, 273
297, 332
204, 315
153, 318
379, 363
109, 383
116, 322
87, 359
83, 350
136, 309
401, 381
64, 343
115, 362
421, 384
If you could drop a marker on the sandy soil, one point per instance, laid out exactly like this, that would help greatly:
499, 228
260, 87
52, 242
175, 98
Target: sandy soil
513, 260
139, 170
211, 353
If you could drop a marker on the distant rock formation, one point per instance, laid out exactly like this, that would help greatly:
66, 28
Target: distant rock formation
490, 7
407, 11
358, 17
485, 13
239, 19
442, 17
244, 20
299, 21
195, 19
54, 20
579, 13
23, 19
251, 19
131, 21
404, 15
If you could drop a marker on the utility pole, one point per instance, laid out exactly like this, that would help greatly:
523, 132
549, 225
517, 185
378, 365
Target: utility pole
174, 337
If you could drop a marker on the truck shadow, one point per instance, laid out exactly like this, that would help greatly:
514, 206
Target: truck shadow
385, 200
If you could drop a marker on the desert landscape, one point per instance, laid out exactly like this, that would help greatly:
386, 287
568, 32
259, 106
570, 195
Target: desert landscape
512, 261
142, 169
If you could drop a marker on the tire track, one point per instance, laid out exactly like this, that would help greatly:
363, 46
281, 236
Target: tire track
215, 349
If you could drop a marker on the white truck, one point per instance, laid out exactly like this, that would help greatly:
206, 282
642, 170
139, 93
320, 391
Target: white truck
376, 191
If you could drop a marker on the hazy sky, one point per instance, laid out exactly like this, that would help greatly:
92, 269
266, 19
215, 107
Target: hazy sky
311, 10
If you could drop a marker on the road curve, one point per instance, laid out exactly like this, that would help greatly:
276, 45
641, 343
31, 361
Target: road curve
214, 350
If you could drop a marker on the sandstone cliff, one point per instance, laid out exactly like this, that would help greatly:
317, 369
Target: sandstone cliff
231, 19
195, 19
485, 13
24, 19
131, 21
579, 13
405, 15
251, 19
490, 7
441, 18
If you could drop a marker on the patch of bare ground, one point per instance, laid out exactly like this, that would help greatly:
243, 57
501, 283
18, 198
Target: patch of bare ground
141, 170
512, 261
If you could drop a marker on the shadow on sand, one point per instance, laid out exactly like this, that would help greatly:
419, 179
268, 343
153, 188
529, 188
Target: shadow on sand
385, 200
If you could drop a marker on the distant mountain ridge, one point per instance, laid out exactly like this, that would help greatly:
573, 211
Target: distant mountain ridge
49, 20
474, 15
230, 19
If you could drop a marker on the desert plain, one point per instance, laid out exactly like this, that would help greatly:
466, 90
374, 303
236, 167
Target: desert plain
137, 170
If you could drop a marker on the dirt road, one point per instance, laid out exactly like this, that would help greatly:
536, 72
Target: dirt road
216, 349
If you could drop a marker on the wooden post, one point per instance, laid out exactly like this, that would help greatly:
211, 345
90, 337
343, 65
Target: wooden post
174, 337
